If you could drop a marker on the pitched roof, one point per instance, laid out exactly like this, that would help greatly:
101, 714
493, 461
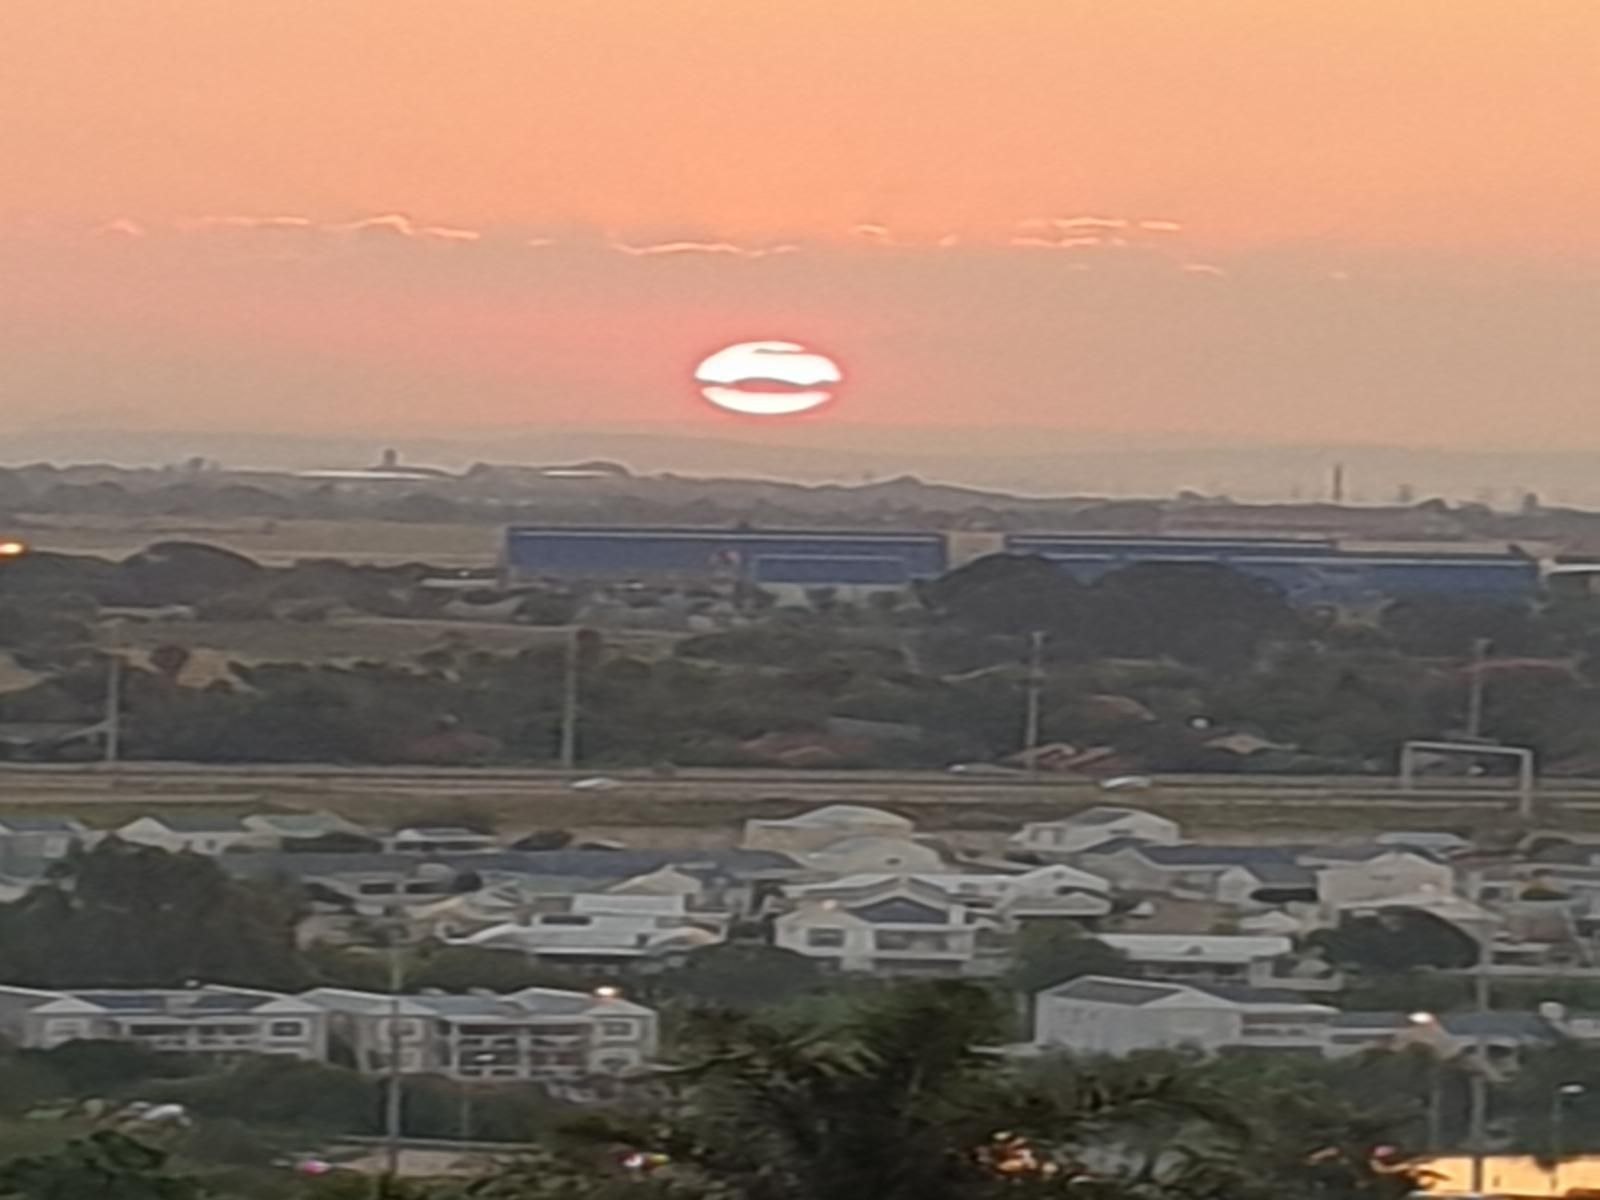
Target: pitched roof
1200, 855
19, 823
1101, 989
599, 865
900, 910
1106, 814
198, 822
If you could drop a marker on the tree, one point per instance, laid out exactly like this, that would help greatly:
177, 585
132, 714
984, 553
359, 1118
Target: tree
740, 976
104, 1164
1197, 612
1048, 953
133, 916
900, 1102
1009, 594
1397, 940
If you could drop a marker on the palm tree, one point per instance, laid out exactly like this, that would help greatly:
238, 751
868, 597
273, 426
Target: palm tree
902, 1101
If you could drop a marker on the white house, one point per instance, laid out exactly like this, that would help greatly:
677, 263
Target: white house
871, 853
904, 929
1093, 827
1358, 874
536, 1034
284, 829
603, 927
198, 832
441, 840
34, 838
823, 826
1233, 875
1099, 1015
1051, 891
1260, 960
219, 1023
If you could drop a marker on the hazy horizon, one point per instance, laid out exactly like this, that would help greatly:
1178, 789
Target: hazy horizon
1023, 230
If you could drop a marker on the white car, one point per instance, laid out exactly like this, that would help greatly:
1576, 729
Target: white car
1127, 783
595, 783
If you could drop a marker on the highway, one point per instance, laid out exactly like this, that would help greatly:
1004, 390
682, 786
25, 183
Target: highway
179, 783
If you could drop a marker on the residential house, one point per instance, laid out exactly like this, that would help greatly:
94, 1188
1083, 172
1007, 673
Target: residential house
1239, 876
1092, 827
598, 929
436, 839
219, 1023
1505, 1036
1096, 1014
1052, 891
1355, 874
824, 826
539, 1034
1261, 961
905, 928
870, 853
27, 839
281, 831
198, 832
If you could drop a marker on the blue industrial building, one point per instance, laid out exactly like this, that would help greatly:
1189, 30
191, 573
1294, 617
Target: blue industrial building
1310, 571
804, 558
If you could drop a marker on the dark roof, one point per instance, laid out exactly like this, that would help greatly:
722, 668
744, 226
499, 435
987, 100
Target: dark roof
200, 822
1100, 990
1217, 856
574, 864
1105, 814
1367, 852
1244, 994
900, 911
1523, 1026
27, 824
1284, 874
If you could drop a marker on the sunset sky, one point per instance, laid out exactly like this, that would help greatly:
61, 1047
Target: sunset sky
1277, 220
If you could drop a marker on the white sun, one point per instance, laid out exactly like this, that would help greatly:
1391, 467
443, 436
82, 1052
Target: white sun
768, 379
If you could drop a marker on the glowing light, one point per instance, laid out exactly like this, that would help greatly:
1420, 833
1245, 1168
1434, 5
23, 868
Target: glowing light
768, 379
13, 549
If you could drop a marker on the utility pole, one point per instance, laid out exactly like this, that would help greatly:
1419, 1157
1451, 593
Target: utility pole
113, 710
392, 1094
1480, 1072
1030, 731
1480, 654
569, 705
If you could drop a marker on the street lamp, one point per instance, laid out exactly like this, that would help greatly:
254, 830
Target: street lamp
1428, 1020
482, 1058
1558, 1108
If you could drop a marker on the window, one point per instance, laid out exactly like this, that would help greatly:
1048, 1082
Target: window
563, 919
825, 938
287, 1029
377, 889
617, 1029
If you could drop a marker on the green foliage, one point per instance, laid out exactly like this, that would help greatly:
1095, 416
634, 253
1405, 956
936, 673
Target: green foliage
739, 976
104, 1164
133, 916
1396, 940
1052, 952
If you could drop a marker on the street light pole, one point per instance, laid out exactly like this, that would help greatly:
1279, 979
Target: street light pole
1480, 652
1030, 730
392, 1094
1480, 1075
569, 705
1558, 1111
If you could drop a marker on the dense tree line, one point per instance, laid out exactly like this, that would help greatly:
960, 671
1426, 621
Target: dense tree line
1153, 661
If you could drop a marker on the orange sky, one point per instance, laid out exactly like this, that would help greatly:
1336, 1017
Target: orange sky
1370, 215
1417, 122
